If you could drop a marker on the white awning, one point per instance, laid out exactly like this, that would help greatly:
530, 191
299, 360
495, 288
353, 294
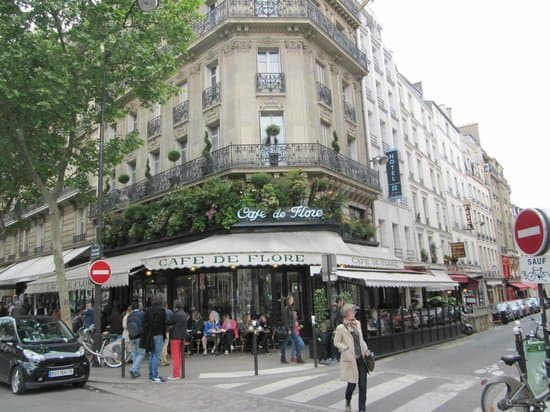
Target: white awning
77, 277
35, 268
494, 282
268, 248
400, 279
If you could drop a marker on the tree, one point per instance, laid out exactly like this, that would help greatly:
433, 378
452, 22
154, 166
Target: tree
59, 60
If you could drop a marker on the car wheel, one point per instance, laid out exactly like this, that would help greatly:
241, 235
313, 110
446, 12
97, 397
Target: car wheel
17, 381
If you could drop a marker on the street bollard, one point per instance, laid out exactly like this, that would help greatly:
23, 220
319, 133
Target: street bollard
314, 343
255, 350
182, 359
123, 358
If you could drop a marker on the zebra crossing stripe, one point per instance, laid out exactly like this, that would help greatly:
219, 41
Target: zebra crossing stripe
430, 401
316, 391
230, 385
385, 389
282, 384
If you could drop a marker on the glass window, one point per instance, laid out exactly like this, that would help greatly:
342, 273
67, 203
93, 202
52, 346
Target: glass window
267, 118
131, 168
131, 122
81, 221
155, 163
352, 147
182, 95
268, 61
181, 146
253, 295
43, 330
320, 72
326, 138
212, 74
214, 133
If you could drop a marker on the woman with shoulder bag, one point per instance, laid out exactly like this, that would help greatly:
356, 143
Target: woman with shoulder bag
353, 349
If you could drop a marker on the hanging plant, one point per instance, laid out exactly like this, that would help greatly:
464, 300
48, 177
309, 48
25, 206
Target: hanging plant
123, 178
174, 155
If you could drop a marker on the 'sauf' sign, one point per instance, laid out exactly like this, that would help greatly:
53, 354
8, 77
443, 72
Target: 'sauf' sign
535, 269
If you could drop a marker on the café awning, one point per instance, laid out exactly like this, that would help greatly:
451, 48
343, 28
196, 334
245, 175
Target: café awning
36, 268
268, 248
523, 285
464, 279
430, 280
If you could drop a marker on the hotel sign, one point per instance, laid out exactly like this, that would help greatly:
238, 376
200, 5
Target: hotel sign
392, 171
468, 213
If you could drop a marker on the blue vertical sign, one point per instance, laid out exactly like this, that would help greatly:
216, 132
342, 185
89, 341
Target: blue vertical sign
392, 171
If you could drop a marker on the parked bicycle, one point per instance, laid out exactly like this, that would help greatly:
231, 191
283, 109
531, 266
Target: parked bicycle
505, 393
110, 351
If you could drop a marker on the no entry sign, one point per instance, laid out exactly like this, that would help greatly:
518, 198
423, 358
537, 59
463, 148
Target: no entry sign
100, 272
531, 232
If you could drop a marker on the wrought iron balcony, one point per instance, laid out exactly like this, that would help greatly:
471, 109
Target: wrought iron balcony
153, 126
393, 113
370, 96
211, 96
253, 157
287, 9
38, 249
324, 94
381, 104
270, 82
79, 238
349, 111
180, 112
11, 257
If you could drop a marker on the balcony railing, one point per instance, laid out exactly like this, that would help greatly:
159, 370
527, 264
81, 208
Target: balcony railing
381, 104
79, 238
324, 94
270, 82
370, 96
411, 254
398, 252
244, 156
180, 112
153, 126
374, 140
349, 111
393, 113
38, 249
287, 9
211, 96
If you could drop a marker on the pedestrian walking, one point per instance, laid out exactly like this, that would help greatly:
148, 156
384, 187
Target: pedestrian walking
88, 316
134, 324
152, 337
289, 322
336, 319
178, 336
353, 350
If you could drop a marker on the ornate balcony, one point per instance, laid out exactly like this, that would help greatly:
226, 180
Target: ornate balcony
211, 96
270, 82
153, 127
274, 9
324, 94
252, 157
180, 112
349, 111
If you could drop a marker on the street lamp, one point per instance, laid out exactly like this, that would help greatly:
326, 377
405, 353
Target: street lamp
144, 6
380, 160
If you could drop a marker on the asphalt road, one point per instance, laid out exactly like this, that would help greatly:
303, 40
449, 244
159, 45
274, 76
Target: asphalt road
440, 378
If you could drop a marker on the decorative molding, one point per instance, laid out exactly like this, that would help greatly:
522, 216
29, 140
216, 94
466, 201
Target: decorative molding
351, 129
195, 68
326, 115
130, 157
333, 69
154, 143
238, 46
180, 131
212, 115
271, 103
294, 45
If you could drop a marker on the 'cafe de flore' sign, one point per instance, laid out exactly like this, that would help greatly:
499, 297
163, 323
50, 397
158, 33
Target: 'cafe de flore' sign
279, 255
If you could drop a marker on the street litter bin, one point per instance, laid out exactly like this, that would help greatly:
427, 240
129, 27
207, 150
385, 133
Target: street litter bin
536, 372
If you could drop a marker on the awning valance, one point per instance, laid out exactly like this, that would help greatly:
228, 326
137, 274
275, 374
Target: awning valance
431, 281
523, 285
494, 282
463, 278
35, 268
272, 248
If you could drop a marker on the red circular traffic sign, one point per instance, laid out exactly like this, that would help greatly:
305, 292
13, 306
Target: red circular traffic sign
531, 231
100, 272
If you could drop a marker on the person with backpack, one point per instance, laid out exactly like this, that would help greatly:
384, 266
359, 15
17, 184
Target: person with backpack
134, 324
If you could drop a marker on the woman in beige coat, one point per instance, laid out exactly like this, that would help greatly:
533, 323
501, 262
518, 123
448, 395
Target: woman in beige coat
348, 338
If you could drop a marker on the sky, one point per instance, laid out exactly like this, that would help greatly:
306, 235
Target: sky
489, 60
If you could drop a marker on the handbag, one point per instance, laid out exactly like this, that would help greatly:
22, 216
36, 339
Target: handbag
369, 360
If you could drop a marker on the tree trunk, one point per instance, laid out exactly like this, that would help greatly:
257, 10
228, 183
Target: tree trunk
57, 249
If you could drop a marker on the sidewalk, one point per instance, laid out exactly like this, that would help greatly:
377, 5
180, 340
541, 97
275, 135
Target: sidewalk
197, 390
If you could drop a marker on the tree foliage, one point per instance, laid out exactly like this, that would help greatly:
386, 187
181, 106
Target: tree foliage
59, 60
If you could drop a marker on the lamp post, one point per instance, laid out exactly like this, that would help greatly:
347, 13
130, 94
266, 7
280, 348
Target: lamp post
144, 6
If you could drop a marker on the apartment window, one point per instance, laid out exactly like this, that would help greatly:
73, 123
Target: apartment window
182, 93
212, 74
131, 170
111, 132
347, 92
410, 165
81, 219
40, 233
268, 61
408, 239
154, 159
156, 110
131, 120
24, 240
267, 118
214, 133
326, 138
420, 173
356, 213
181, 146
396, 238
352, 147
426, 210
382, 231
320, 72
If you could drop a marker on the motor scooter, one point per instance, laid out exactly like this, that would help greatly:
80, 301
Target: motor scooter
467, 327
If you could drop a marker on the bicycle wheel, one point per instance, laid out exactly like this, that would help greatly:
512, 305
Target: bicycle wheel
113, 359
493, 393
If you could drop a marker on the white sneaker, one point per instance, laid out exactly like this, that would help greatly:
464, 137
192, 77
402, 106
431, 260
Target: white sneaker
173, 378
232, 347
226, 353
205, 353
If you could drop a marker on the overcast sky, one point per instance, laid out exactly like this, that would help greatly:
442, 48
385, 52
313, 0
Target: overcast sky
490, 61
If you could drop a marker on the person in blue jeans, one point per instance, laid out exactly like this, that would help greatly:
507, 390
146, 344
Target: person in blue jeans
289, 322
138, 353
153, 334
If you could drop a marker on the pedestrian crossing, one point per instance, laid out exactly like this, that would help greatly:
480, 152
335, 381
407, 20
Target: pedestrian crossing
387, 391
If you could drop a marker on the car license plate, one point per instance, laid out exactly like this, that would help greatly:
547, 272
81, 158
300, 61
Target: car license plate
60, 372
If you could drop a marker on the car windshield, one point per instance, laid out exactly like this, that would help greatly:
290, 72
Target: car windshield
43, 330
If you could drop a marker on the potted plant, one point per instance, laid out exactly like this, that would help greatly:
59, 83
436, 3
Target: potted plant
335, 145
124, 178
206, 153
423, 255
272, 132
433, 252
174, 155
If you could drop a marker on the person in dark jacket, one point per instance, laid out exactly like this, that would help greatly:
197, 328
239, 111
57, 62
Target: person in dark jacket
178, 334
136, 317
289, 321
115, 321
336, 319
152, 337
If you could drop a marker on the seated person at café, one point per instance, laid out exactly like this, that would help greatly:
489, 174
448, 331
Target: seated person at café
210, 332
195, 326
230, 331
264, 333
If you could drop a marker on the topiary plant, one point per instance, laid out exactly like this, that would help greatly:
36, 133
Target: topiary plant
335, 144
174, 156
123, 178
207, 146
148, 170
